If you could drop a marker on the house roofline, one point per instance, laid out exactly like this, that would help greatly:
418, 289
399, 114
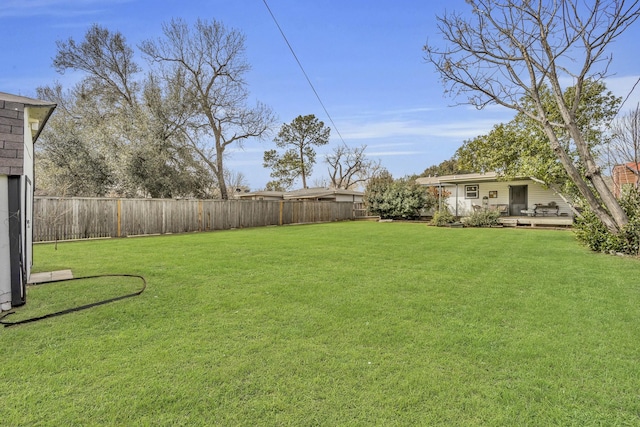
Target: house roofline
469, 178
458, 179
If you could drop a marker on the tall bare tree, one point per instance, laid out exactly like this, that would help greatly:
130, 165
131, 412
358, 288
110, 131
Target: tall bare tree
349, 167
107, 60
102, 108
506, 51
208, 61
115, 131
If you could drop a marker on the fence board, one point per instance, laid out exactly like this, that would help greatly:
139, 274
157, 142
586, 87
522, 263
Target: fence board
57, 218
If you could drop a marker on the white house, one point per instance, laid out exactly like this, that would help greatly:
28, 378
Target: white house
21, 121
517, 197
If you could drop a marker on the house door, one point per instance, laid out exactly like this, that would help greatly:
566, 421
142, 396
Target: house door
517, 199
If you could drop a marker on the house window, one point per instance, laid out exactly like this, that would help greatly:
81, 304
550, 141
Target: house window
471, 192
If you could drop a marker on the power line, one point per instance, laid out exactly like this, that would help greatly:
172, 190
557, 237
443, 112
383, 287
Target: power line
628, 95
624, 101
303, 71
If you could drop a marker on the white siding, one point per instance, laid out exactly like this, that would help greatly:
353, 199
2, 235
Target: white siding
461, 206
502, 189
26, 188
538, 194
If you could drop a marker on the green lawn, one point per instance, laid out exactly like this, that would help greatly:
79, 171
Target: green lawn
351, 323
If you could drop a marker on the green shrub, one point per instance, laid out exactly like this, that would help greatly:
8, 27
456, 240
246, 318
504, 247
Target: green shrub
592, 232
483, 218
400, 198
442, 218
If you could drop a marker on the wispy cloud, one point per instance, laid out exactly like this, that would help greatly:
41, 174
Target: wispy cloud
67, 8
244, 162
247, 149
394, 144
393, 153
399, 112
459, 129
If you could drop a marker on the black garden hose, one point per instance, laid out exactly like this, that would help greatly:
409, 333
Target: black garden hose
82, 307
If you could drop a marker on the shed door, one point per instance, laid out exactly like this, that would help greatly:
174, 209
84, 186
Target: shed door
27, 239
517, 199
18, 290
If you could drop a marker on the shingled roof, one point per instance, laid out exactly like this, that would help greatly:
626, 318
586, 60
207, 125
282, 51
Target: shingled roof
12, 128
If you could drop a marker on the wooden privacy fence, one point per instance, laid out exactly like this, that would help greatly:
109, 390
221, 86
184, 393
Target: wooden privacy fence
57, 218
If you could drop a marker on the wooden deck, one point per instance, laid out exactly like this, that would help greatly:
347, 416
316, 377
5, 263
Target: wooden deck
537, 221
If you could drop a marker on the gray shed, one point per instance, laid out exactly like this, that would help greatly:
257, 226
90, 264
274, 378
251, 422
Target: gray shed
21, 121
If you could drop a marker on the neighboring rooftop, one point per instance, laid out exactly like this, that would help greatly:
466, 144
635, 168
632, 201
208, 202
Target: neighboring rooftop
318, 193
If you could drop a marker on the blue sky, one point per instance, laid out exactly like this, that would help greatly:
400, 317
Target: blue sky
363, 56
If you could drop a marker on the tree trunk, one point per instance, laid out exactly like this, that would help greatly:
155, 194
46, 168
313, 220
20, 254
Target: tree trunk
592, 173
557, 191
220, 172
617, 213
609, 220
302, 170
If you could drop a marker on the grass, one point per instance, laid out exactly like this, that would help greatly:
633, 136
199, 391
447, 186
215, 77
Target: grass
333, 324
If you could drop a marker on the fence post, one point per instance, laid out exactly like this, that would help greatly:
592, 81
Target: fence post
119, 205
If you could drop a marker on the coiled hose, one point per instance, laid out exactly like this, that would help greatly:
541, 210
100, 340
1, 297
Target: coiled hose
81, 307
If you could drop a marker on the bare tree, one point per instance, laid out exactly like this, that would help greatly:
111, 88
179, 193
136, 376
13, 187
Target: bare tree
107, 60
100, 110
349, 167
236, 181
116, 133
625, 143
320, 182
507, 51
208, 60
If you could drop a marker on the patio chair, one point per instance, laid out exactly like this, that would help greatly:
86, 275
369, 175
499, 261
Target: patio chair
503, 209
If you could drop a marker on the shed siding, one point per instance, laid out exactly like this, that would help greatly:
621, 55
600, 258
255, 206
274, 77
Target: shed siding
11, 138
